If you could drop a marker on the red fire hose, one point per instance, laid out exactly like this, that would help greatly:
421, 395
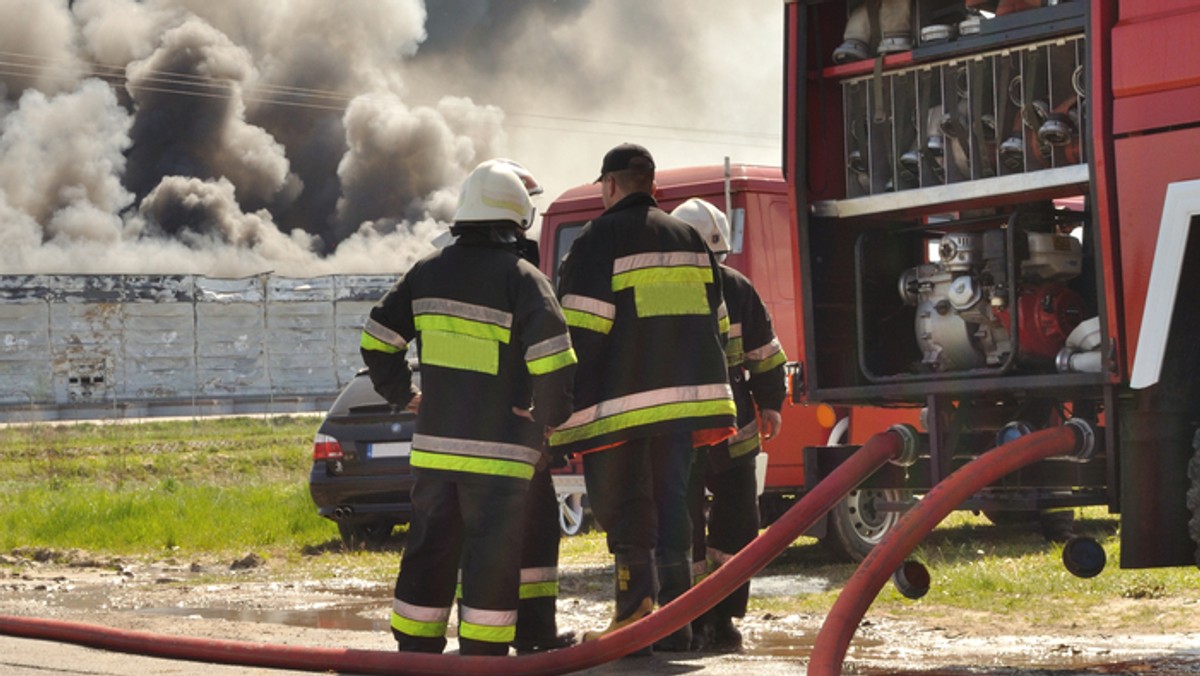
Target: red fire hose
829, 650
897, 444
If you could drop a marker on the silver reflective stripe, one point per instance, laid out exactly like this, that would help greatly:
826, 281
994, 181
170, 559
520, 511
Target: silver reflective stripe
660, 259
455, 308
477, 449
547, 574
487, 618
747, 432
589, 305
420, 613
560, 343
633, 402
761, 353
735, 330
384, 334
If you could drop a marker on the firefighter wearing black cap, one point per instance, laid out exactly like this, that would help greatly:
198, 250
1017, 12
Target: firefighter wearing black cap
642, 295
496, 376
756, 362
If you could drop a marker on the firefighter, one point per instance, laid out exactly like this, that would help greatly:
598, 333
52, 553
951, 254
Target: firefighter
756, 362
496, 376
642, 297
537, 617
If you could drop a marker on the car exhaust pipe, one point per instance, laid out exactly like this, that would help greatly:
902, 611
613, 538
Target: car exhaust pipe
340, 513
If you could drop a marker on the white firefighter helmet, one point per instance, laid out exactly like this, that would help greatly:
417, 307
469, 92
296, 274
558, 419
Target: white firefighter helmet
707, 220
498, 190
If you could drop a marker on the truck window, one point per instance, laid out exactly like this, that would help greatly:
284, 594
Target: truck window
563, 239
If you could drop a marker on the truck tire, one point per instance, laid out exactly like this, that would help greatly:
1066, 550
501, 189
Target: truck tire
365, 534
573, 517
1193, 495
855, 526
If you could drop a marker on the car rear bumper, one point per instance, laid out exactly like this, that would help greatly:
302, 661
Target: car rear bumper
360, 497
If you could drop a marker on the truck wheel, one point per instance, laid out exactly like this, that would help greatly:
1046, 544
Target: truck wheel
855, 526
366, 535
1193, 495
572, 516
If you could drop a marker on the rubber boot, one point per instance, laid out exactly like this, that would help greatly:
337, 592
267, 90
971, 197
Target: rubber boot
857, 38
635, 589
675, 578
895, 25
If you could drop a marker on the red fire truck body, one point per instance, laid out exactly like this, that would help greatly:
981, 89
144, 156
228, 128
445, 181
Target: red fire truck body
996, 226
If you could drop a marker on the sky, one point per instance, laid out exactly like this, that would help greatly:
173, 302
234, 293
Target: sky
309, 137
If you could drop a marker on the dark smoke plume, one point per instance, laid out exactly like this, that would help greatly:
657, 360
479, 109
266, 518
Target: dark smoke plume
309, 137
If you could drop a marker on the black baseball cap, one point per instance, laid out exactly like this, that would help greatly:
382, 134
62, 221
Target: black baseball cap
626, 156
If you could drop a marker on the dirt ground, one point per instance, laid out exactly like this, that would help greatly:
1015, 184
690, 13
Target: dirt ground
257, 601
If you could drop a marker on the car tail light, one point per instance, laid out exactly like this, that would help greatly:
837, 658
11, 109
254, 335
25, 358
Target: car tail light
326, 447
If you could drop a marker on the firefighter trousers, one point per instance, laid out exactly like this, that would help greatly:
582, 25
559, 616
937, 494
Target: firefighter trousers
732, 523
475, 520
536, 623
639, 492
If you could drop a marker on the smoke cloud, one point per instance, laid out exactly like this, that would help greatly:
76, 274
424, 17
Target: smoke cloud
310, 137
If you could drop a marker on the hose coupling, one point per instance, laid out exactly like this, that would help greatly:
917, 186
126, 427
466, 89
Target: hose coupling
1085, 446
910, 445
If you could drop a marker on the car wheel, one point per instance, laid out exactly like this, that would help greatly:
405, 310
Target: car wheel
366, 535
572, 517
855, 526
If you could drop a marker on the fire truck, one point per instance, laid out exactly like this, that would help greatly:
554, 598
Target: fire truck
993, 207
763, 242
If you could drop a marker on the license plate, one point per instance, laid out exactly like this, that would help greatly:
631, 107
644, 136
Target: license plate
389, 449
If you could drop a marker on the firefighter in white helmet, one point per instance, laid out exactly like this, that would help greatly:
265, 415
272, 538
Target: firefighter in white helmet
756, 362
496, 376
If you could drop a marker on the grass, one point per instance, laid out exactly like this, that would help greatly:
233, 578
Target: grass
225, 487
198, 485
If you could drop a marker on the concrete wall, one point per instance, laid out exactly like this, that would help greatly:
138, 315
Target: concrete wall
77, 346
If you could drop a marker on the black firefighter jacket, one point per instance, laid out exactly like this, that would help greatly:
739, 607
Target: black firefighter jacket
756, 368
642, 296
490, 336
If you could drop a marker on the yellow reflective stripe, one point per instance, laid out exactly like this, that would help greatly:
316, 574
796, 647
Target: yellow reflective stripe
476, 448
467, 327
733, 352
672, 299
723, 324
458, 463
554, 362
653, 414
676, 275
495, 626
460, 351
583, 320
419, 620
384, 333
559, 343
480, 632
766, 364
739, 448
415, 628
537, 590
373, 344
457, 308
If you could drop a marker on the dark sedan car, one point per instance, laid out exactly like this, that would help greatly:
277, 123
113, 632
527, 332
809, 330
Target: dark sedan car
361, 478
